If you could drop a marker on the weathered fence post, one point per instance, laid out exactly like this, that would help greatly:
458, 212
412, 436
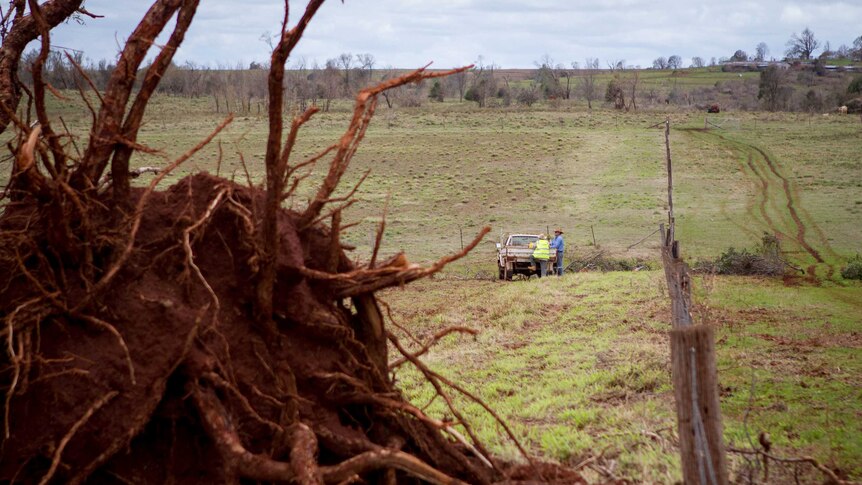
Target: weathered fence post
695, 378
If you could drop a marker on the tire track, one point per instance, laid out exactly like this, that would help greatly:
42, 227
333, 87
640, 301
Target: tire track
801, 228
792, 206
763, 193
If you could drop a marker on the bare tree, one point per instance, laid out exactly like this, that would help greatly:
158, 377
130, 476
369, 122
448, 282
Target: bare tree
633, 83
328, 82
802, 46
761, 51
659, 63
588, 81
772, 90
857, 48
388, 73
548, 77
567, 74
696, 61
345, 62
484, 83
458, 82
366, 64
674, 62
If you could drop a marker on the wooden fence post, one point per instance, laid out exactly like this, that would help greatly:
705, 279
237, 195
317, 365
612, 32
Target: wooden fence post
695, 377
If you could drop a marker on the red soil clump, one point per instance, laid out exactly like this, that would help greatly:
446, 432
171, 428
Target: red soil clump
117, 389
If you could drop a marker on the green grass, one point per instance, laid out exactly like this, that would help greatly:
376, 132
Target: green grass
580, 365
451, 166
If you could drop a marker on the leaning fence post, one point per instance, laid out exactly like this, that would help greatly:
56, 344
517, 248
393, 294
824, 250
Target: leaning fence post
695, 377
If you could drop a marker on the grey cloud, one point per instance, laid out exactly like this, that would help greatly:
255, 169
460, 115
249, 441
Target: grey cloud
512, 34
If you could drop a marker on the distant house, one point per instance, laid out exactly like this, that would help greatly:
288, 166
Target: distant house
747, 66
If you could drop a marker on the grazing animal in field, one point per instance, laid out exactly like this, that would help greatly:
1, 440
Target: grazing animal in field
842, 110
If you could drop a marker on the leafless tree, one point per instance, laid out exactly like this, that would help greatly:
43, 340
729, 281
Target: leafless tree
366, 64
802, 46
588, 81
345, 62
772, 89
857, 48
674, 62
328, 82
696, 61
548, 77
632, 81
484, 83
761, 51
459, 83
388, 73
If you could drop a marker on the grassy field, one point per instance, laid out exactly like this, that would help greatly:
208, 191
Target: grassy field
579, 365
451, 168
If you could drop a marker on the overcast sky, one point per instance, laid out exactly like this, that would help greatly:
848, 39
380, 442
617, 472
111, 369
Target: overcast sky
511, 34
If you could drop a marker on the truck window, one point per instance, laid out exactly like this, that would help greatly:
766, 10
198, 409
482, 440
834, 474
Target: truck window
522, 240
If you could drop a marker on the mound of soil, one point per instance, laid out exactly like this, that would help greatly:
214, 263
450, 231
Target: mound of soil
165, 374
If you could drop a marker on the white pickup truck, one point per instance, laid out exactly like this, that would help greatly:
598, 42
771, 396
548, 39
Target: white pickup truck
513, 257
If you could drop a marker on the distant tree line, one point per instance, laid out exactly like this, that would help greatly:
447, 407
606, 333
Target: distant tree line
243, 89
799, 47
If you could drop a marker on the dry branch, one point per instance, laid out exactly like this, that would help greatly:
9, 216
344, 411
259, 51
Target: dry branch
833, 477
25, 29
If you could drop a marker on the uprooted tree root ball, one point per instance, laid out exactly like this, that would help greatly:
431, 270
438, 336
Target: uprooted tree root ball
203, 334
168, 375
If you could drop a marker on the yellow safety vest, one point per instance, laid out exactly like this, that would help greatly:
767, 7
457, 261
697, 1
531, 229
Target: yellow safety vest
543, 250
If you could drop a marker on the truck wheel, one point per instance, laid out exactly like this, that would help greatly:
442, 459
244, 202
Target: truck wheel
502, 272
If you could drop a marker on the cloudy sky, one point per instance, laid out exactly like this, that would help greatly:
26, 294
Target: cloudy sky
410, 33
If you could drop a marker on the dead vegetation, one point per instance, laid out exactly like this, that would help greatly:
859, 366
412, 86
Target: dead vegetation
202, 334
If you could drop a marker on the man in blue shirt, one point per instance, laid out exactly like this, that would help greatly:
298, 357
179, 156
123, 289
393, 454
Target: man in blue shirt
558, 245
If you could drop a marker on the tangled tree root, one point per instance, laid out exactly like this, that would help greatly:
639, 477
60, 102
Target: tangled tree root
202, 334
181, 382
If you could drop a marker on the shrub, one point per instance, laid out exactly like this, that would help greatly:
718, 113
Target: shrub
764, 260
436, 92
527, 96
855, 86
853, 269
854, 105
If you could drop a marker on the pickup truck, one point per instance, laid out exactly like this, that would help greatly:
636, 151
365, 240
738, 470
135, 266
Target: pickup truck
513, 257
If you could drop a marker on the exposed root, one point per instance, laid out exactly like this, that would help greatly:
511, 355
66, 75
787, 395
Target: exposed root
58, 453
139, 211
190, 260
113, 331
436, 338
289, 373
256, 467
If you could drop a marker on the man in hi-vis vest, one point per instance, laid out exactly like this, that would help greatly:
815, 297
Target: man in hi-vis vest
541, 255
